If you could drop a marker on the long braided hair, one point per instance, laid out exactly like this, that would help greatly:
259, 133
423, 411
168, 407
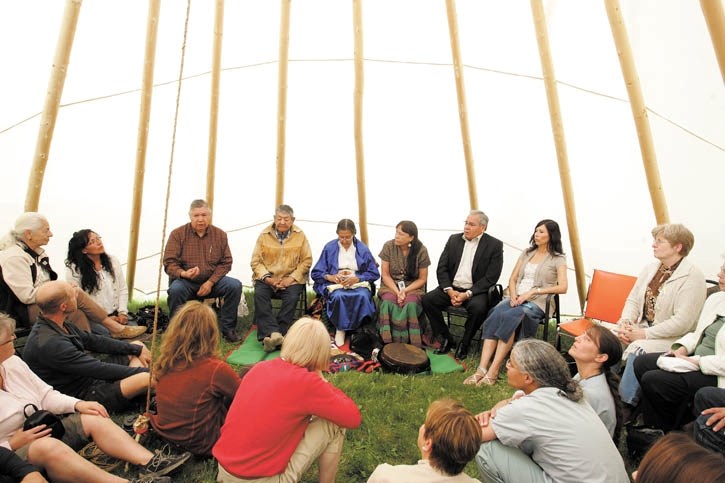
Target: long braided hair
411, 264
546, 366
608, 344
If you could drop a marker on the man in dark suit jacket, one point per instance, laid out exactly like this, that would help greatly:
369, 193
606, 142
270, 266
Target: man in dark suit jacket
470, 264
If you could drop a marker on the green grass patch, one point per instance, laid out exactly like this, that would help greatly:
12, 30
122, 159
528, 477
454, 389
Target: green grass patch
393, 408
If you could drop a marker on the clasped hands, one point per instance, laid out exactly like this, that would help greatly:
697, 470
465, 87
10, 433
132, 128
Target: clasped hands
629, 332
517, 300
457, 298
346, 278
279, 283
192, 273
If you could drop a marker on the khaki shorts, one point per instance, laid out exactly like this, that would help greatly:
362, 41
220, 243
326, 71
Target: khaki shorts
74, 436
321, 436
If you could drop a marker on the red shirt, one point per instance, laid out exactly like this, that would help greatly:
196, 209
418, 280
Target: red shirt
270, 414
192, 404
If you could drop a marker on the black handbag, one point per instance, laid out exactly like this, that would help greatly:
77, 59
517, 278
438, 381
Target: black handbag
42, 416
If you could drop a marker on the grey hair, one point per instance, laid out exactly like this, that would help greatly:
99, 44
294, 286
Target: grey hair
7, 324
482, 217
285, 210
30, 220
546, 366
198, 204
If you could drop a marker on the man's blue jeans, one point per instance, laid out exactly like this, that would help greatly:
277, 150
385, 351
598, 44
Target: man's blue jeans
182, 290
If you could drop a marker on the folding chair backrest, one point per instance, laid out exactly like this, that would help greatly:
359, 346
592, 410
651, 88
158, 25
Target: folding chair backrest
607, 294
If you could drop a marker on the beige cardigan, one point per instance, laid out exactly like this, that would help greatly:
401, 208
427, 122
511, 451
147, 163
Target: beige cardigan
676, 310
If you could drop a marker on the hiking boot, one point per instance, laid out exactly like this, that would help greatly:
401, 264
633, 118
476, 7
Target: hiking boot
163, 463
129, 332
151, 479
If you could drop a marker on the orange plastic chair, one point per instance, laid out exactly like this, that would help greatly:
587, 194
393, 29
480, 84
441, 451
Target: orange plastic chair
605, 300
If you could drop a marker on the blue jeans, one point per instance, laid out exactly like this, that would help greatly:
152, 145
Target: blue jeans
182, 290
705, 398
629, 388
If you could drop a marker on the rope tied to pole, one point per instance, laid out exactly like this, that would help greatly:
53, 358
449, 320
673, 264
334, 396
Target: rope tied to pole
141, 424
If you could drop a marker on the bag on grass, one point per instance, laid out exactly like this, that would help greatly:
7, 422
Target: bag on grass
145, 316
639, 440
366, 342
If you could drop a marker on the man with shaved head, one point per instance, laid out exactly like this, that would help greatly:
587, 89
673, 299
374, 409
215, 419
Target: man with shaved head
57, 351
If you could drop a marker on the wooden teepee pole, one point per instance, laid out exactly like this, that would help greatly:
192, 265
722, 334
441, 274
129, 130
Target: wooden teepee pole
214, 107
359, 149
52, 102
639, 110
557, 128
462, 108
282, 97
715, 19
147, 85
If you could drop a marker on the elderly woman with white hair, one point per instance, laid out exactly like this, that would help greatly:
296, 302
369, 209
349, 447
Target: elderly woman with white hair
285, 415
85, 421
25, 267
546, 431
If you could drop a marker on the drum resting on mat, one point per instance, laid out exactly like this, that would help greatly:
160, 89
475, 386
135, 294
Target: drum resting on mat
403, 359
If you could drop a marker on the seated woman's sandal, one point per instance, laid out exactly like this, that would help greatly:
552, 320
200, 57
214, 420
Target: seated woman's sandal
479, 378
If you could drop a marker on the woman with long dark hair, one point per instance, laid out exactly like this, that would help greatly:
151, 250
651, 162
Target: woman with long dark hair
404, 270
97, 273
26, 266
595, 352
539, 271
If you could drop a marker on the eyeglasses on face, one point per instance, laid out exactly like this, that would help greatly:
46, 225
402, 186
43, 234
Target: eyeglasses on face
9, 341
94, 241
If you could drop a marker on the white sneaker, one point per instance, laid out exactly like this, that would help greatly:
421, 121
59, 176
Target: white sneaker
339, 337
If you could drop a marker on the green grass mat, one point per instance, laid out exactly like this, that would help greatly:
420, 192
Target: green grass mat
443, 363
250, 352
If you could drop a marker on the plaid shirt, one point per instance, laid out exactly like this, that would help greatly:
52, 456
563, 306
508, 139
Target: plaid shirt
185, 249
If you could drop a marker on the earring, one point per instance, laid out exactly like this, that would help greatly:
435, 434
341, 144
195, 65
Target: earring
410, 245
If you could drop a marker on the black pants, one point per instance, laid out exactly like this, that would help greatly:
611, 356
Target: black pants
436, 301
264, 318
667, 396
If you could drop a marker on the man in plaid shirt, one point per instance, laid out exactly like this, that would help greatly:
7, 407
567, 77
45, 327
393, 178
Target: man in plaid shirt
197, 259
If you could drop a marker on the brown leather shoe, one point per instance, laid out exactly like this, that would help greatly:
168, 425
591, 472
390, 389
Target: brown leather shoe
231, 335
129, 332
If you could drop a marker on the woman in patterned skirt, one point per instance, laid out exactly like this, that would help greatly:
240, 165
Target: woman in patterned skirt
404, 266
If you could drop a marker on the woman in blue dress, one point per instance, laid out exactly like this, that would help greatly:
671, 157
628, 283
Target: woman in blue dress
345, 275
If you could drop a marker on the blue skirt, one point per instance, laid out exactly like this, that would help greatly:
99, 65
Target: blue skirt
347, 308
503, 320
